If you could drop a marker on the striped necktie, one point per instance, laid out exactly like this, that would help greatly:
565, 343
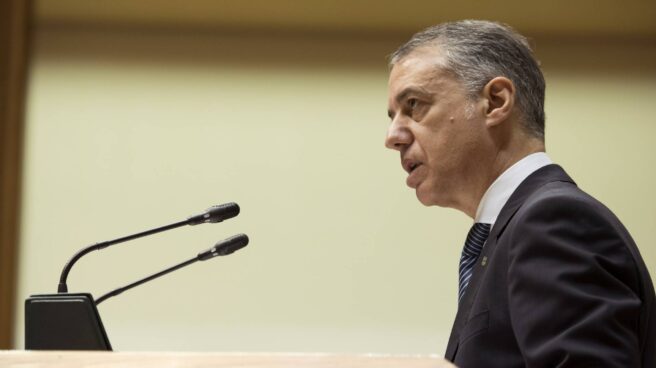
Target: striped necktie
473, 246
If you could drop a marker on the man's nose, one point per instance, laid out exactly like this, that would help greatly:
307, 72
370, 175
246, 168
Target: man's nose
398, 136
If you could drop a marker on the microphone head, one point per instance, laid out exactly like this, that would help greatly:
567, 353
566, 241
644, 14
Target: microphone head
224, 247
215, 214
222, 212
231, 245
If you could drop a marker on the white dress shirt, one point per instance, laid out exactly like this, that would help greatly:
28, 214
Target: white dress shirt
498, 193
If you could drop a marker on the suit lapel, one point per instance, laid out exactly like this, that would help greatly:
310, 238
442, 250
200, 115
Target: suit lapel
534, 181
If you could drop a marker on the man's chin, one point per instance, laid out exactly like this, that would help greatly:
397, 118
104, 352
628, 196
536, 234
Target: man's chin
424, 197
428, 197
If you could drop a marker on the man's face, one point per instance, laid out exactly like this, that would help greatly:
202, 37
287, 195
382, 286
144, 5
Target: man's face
439, 133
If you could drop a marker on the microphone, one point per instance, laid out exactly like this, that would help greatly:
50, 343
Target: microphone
211, 215
222, 248
215, 214
70, 321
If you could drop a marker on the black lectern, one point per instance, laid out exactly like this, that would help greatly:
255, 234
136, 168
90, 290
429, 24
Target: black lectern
64, 322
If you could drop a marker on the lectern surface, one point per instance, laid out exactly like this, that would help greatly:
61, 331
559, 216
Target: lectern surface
72, 359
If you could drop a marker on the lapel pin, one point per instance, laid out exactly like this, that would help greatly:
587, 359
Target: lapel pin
484, 261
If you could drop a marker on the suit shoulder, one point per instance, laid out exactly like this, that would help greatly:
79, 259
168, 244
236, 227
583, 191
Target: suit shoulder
561, 219
558, 201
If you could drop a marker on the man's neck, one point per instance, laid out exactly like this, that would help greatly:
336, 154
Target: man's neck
503, 160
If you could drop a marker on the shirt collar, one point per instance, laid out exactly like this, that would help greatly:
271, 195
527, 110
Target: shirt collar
498, 193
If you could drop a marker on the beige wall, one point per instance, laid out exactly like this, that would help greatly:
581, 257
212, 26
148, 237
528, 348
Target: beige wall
133, 129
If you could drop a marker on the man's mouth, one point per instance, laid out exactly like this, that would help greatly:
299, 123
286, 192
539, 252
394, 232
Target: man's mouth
410, 165
414, 176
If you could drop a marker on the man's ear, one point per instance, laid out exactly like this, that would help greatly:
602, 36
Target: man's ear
499, 95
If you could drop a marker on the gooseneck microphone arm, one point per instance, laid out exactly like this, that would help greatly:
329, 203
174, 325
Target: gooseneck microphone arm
221, 248
146, 279
211, 215
63, 288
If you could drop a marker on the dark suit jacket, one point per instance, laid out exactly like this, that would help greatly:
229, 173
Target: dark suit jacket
559, 283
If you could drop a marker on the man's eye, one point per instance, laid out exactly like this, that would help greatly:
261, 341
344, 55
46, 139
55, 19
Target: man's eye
412, 103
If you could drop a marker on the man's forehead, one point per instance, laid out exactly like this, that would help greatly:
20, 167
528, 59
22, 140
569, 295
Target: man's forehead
419, 70
426, 56
422, 63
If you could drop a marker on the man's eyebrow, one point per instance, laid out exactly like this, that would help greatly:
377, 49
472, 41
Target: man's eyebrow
404, 93
410, 90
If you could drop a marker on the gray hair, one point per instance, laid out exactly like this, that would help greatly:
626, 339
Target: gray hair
477, 51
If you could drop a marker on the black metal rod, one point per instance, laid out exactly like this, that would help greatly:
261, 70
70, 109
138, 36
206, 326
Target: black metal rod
146, 279
63, 288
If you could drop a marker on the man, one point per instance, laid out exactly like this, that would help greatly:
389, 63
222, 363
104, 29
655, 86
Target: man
549, 277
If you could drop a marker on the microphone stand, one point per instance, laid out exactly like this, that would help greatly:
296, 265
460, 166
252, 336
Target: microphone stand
213, 214
222, 248
70, 321
63, 288
146, 279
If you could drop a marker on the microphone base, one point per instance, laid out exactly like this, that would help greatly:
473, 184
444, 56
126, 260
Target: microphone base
64, 322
